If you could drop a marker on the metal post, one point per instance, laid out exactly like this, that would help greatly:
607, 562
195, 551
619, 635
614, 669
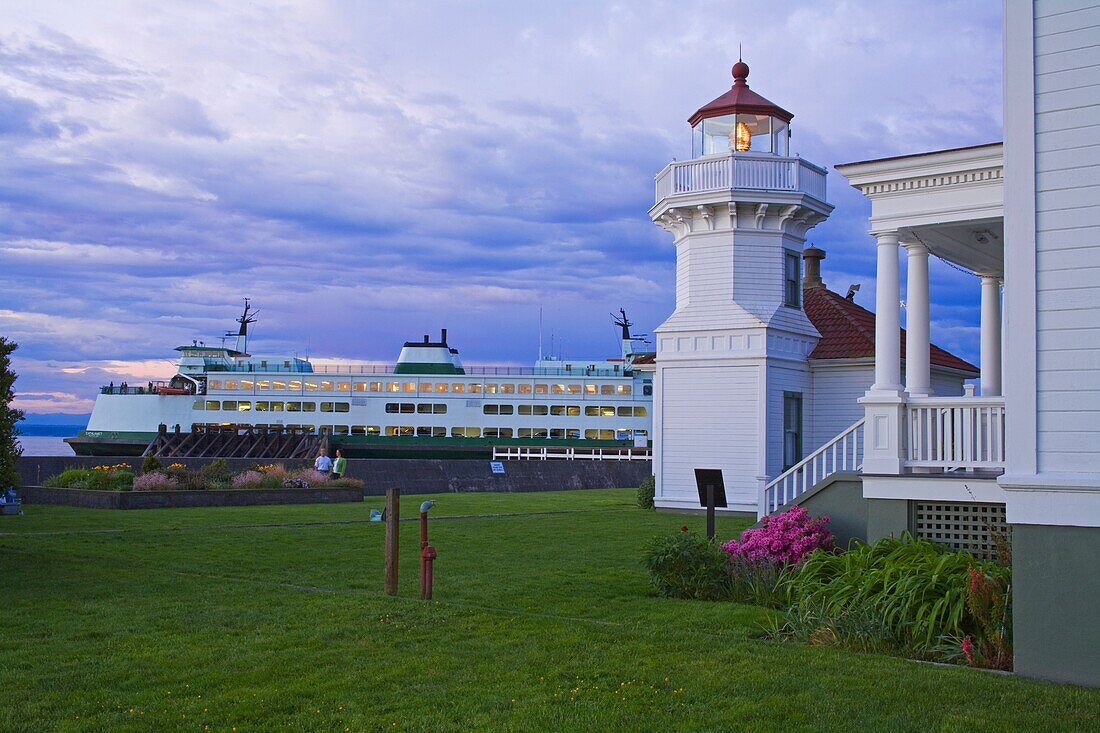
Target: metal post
427, 555
710, 511
393, 517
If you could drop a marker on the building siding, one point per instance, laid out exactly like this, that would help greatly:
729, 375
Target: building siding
1067, 162
708, 420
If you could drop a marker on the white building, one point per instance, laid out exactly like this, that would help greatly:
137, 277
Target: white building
757, 366
919, 456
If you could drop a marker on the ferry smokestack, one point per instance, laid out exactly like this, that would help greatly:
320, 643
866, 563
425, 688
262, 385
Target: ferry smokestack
425, 338
444, 336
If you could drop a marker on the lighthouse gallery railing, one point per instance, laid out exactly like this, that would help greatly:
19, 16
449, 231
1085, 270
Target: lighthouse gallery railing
755, 171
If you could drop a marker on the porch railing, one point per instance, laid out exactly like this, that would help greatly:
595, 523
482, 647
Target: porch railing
744, 171
842, 453
955, 433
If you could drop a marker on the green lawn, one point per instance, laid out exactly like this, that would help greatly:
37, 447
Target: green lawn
267, 618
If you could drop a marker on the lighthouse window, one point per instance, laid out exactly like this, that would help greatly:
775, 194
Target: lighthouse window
792, 280
792, 429
540, 388
624, 389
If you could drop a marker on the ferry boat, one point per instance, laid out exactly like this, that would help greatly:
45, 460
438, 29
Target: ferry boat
428, 403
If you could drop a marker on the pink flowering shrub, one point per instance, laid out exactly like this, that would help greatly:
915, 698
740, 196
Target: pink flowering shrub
312, 476
783, 539
155, 481
247, 480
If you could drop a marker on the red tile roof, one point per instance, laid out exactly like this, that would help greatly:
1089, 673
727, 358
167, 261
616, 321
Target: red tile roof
848, 331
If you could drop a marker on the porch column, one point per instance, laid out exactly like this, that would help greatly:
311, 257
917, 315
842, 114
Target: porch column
991, 336
884, 403
887, 316
918, 375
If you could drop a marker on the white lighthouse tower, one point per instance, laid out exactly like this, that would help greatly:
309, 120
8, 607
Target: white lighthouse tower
732, 378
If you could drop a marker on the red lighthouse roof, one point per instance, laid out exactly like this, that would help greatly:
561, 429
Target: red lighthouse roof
739, 99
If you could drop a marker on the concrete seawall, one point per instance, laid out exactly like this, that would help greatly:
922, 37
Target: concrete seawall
411, 475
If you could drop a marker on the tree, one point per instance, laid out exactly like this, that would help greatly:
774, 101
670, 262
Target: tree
9, 448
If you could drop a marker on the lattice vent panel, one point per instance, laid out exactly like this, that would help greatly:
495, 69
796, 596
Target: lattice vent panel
970, 527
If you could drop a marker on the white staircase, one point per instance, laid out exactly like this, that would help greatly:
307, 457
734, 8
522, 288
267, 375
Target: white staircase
842, 453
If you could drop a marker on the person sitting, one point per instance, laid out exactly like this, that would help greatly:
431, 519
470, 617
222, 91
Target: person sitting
339, 465
323, 463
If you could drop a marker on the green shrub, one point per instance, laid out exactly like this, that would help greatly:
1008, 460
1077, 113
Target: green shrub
685, 565
216, 472
901, 592
345, 483
70, 478
151, 464
110, 480
646, 492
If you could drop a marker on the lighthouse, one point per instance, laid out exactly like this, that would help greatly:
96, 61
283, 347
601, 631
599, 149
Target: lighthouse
732, 383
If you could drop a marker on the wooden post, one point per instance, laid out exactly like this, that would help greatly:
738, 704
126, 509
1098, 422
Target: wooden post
393, 518
710, 511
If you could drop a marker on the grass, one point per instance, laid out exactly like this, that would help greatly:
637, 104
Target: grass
272, 618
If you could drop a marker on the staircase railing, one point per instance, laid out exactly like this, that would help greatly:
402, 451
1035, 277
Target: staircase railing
842, 453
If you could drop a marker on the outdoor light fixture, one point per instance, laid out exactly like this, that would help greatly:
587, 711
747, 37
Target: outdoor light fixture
425, 506
740, 138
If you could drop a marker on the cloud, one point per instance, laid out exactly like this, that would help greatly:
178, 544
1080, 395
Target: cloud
371, 172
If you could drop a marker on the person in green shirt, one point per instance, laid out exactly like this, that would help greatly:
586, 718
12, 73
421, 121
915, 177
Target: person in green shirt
339, 465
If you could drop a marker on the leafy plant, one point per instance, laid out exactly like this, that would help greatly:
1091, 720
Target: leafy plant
248, 480
685, 565
988, 600
646, 491
214, 473
783, 539
70, 478
754, 581
916, 589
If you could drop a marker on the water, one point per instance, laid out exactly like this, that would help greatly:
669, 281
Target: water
46, 440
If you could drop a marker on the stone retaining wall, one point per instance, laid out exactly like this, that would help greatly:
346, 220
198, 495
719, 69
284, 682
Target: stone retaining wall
412, 475
174, 499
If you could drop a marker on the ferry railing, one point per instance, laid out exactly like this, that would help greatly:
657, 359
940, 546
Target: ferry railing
526, 453
388, 369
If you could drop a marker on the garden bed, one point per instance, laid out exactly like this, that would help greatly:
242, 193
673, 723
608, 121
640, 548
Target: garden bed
96, 499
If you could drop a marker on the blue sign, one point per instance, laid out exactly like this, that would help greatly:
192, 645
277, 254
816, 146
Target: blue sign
496, 466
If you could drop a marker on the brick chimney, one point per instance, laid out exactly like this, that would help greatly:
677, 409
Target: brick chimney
811, 276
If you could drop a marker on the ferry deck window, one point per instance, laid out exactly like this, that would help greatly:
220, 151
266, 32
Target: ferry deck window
215, 384
475, 389
263, 384
590, 388
508, 389
458, 387
311, 386
540, 388
343, 386
229, 405
375, 386
410, 386
557, 389
792, 429
231, 384
296, 385
213, 405
278, 386
525, 389
326, 386
276, 406
393, 387
573, 389
441, 387
607, 389
792, 280
624, 389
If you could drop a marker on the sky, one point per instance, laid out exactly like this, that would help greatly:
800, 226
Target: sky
368, 172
